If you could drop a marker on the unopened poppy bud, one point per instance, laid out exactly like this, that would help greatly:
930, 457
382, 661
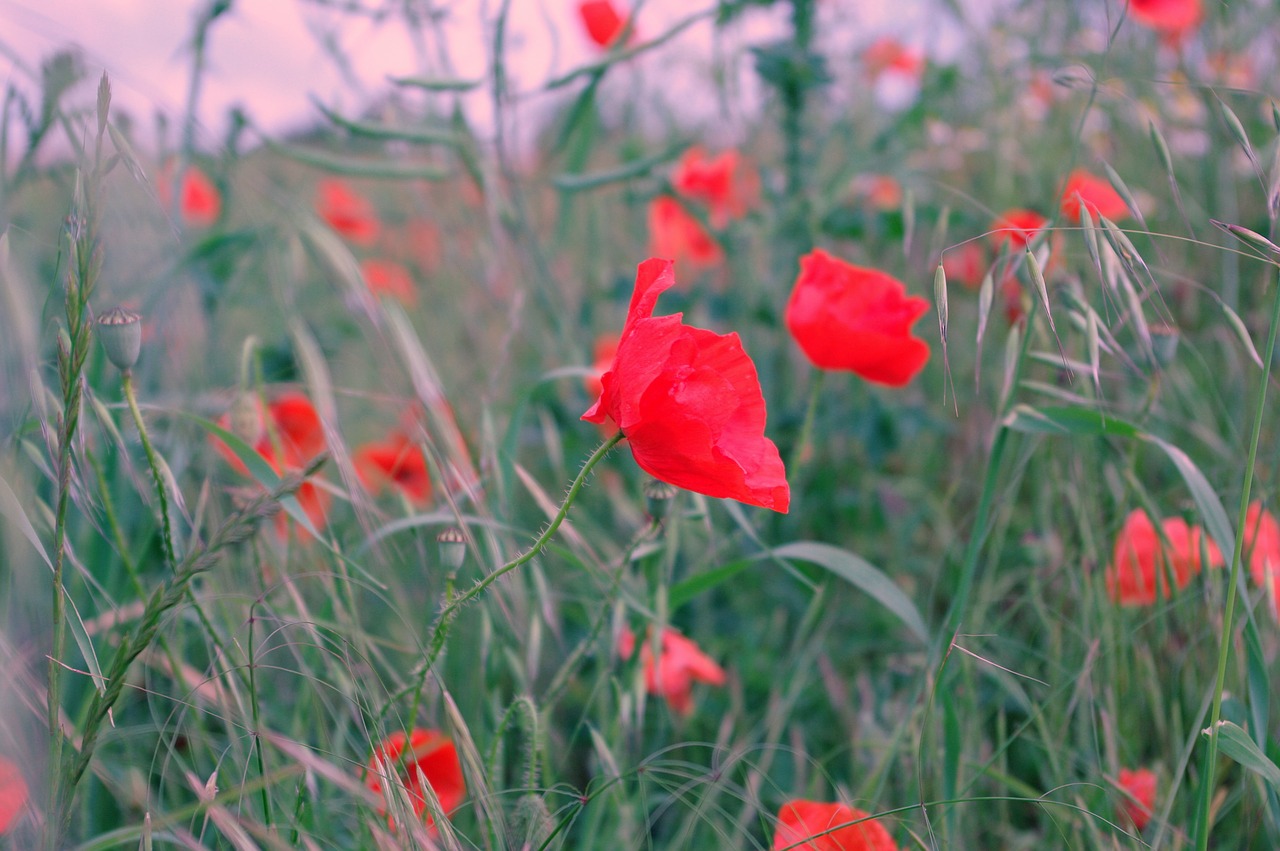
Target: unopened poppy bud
1164, 344
453, 547
657, 499
121, 333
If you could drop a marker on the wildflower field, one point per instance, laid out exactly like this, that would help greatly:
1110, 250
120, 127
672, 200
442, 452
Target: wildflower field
883, 453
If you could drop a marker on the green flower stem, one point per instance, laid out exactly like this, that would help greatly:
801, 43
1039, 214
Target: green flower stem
1224, 649
453, 601
153, 461
806, 429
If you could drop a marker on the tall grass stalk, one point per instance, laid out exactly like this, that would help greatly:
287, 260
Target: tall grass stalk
1203, 826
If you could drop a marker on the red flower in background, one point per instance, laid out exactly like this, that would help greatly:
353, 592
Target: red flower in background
387, 277
605, 351
431, 755
1139, 802
1171, 18
1141, 564
689, 403
887, 54
966, 263
799, 821
347, 212
1097, 194
675, 234
200, 204
13, 795
856, 319
721, 182
1262, 548
680, 664
603, 22
397, 461
1016, 227
296, 426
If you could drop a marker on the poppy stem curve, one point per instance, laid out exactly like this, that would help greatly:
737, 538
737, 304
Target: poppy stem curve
443, 620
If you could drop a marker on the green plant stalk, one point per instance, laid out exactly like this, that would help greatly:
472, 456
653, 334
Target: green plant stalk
795, 220
806, 428
162, 494
440, 630
237, 528
1224, 650
257, 722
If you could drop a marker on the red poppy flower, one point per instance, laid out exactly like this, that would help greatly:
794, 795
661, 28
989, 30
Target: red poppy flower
799, 821
1262, 548
1171, 18
296, 426
347, 212
1097, 194
397, 461
689, 403
605, 350
603, 22
1141, 564
1016, 227
856, 319
13, 795
966, 264
390, 278
680, 665
200, 204
676, 234
430, 755
721, 182
887, 54
1139, 802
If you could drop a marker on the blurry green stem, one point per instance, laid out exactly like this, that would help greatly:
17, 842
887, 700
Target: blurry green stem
1224, 649
794, 90
800, 451
126, 381
978, 532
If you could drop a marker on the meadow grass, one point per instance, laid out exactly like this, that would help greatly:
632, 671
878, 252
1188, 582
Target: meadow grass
228, 618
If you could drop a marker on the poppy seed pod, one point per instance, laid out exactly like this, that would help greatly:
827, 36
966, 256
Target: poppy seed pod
657, 499
453, 547
121, 333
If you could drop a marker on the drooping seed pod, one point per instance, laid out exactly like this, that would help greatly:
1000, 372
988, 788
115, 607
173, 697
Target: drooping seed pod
121, 333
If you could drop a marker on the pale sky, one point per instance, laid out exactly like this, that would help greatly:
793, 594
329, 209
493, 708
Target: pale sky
266, 55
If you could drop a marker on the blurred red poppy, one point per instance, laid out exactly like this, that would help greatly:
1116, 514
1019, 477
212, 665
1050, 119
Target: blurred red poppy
1141, 564
296, 426
1139, 802
1172, 18
347, 212
856, 319
13, 795
689, 403
1262, 548
431, 756
397, 461
878, 191
677, 235
722, 182
819, 824
387, 277
680, 665
603, 22
605, 350
1017, 228
887, 54
200, 204
1098, 196
966, 264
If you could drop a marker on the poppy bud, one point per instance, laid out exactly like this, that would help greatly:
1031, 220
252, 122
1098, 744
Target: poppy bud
453, 547
121, 333
657, 499
246, 418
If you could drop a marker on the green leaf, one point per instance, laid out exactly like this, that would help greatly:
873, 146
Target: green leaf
1068, 420
1236, 743
863, 575
686, 590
